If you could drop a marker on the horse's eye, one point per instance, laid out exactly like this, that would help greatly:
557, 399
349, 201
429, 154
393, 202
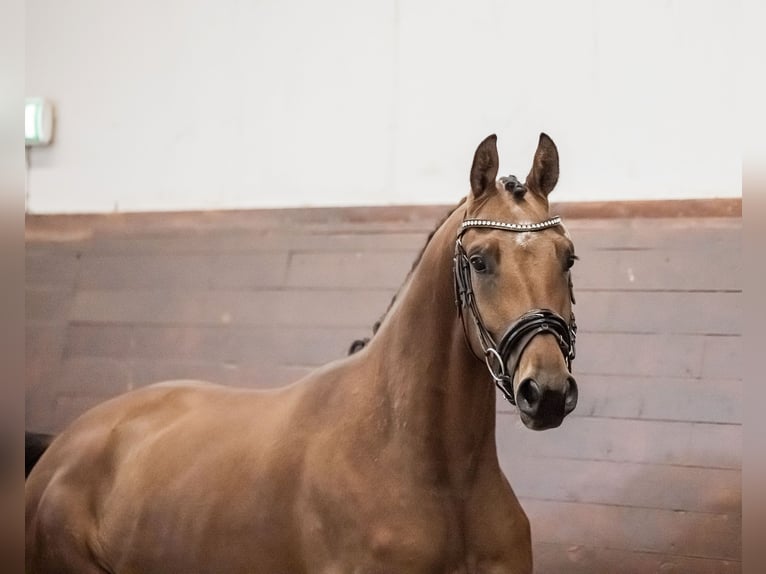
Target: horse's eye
478, 263
570, 261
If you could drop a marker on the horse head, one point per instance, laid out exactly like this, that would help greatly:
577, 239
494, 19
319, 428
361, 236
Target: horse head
513, 285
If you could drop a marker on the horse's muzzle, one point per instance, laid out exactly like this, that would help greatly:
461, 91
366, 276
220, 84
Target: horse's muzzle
543, 407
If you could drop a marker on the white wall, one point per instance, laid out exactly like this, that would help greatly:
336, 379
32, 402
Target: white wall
185, 104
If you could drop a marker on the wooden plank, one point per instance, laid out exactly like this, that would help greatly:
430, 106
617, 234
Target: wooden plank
163, 271
227, 242
660, 486
226, 344
641, 355
644, 529
99, 340
340, 241
713, 269
349, 269
626, 440
662, 355
43, 350
39, 412
687, 234
658, 398
268, 307
660, 312
144, 271
92, 377
51, 269
723, 357
249, 270
47, 304
553, 558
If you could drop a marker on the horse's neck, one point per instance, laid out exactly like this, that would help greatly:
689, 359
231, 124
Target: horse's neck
441, 397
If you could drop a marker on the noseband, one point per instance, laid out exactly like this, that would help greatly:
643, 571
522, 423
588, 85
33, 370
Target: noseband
521, 332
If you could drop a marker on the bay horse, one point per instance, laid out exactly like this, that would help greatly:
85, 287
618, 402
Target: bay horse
383, 461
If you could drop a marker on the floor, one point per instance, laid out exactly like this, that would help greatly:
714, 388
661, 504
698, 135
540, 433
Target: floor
643, 477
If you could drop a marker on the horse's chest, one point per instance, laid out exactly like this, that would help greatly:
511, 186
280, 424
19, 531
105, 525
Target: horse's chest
375, 521
419, 538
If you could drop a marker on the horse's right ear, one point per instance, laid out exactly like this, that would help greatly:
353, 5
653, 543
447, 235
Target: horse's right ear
485, 166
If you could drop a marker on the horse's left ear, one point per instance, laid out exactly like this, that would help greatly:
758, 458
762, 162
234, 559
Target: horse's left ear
544, 174
485, 166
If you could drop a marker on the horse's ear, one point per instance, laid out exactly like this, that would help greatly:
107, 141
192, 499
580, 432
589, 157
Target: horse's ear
485, 165
544, 174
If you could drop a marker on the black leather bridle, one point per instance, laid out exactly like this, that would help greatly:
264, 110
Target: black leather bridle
519, 334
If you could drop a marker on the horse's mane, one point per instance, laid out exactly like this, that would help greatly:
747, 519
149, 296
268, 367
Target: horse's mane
359, 344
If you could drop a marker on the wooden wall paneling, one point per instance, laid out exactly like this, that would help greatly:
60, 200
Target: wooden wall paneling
643, 477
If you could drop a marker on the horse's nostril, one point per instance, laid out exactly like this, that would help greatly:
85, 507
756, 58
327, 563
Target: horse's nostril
570, 400
528, 396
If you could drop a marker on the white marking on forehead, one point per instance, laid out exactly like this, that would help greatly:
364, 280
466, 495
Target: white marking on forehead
523, 238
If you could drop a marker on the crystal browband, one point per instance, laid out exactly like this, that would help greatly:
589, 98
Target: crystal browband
506, 226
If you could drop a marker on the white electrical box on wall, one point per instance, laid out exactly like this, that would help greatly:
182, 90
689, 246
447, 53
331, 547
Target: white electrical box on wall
38, 122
